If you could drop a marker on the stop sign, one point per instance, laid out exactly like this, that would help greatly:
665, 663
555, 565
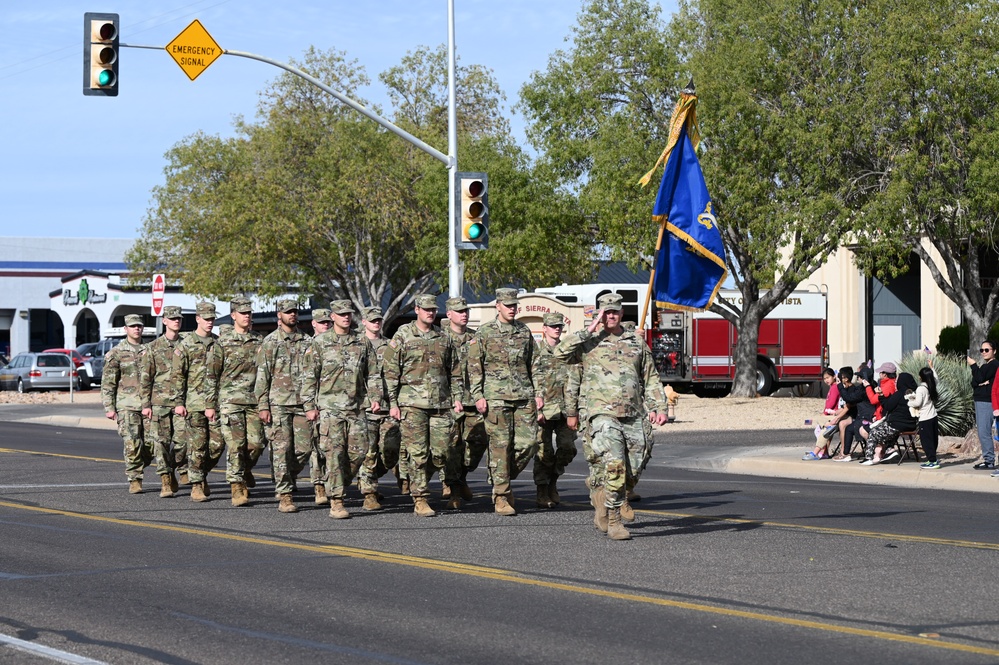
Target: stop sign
159, 288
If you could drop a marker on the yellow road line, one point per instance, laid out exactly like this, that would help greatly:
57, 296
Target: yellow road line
517, 578
78, 457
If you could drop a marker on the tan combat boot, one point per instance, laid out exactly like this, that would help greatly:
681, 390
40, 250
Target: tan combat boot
337, 511
198, 492
446, 492
174, 486
135, 487
184, 479
600, 510
286, 504
503, 506
454, 503
240, 497
166, 490
371, 502
627, 512
421, 508
543, 500
553, 493
616, 530
465, 491
404, 485
321, 498
249, 480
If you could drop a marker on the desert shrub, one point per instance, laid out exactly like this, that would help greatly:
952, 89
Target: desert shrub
956, 407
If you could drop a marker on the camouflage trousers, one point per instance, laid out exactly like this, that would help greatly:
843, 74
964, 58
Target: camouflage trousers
138, 451
160, 433
384, 451
512, 429
551, 460
204, 445
317, 460
343, 439
622, 448
472, 439
243, 433
292, 439
428, 436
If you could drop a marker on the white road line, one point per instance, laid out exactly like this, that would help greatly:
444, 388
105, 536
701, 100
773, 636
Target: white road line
47, 652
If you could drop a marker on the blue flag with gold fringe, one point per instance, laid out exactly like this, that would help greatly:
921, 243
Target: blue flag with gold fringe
690, 258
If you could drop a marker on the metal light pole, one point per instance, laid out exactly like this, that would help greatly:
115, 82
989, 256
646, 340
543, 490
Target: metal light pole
455, 286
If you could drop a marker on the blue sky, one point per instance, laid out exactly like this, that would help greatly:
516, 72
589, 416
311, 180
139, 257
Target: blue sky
79, 166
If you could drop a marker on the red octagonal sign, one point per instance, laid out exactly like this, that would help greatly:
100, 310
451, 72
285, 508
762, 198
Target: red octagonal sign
159, 288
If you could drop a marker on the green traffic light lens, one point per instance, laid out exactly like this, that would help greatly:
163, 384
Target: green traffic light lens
105, 78
475, 231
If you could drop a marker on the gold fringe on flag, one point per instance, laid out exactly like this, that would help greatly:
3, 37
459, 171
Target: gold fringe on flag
685, 112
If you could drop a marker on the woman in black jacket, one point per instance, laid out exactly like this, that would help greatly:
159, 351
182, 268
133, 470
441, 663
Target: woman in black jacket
897, 419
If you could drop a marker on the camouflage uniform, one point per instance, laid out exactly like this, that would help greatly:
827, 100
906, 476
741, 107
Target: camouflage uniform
384, 440
242, 430
317, 460
471, 430
619, 386
341, 378
120, 393
500, 357
550, 376
423, 379
157, 393
281, 364
197, 362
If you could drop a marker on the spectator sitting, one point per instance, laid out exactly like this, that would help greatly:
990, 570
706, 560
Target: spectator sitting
897, 418
833, 407
862, 411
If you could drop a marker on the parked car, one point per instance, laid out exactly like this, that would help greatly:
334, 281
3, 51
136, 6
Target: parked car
38, 371
95, 354
83, 367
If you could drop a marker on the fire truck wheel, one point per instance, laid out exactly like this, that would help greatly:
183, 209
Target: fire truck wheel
764, 378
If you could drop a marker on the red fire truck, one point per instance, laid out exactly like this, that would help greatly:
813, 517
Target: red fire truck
694, 349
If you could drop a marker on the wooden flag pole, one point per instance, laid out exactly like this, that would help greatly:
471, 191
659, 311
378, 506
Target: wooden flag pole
652, 276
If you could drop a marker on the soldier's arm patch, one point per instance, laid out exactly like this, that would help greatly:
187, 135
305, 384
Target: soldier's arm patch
394, 343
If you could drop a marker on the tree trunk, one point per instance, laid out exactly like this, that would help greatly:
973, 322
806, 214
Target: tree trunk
978, 332
746, 350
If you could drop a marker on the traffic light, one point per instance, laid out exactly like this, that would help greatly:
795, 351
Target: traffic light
100, 54
472, 192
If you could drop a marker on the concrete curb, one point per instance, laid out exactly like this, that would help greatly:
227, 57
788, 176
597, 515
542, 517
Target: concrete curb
72, 421
785, 462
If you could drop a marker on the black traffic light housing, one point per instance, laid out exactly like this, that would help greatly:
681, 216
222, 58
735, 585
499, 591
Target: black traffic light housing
471, 191
100, 54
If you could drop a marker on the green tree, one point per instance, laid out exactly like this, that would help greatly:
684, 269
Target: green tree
774, 89
930, 130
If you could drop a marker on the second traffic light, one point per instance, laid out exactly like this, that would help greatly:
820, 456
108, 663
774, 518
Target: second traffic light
100, 54
472, 211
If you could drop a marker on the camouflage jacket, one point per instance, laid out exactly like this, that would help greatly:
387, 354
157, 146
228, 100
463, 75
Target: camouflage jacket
280, 368
500, 356
380, 345
618, 375
156, 380
197, 363
341, 373
422, 369
550, 377
239, 369
120, 383
461, 344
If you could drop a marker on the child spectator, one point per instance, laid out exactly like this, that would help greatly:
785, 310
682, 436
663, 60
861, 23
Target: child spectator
833, 407
897, 418
923, 402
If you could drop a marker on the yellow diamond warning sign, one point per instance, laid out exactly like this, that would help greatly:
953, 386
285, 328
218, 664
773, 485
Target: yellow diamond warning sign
194, 49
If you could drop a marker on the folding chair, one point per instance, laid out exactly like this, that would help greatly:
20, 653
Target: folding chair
907, 442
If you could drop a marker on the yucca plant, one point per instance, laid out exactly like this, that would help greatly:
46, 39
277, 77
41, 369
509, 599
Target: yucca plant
955, 408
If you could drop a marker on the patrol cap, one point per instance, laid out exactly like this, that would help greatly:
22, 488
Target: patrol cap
321, 315
457, 304
134, 320
610, 302
287, 305
507, 296
172, 312
342, 307
372, 313
554, 319
240, 305
425, 301
206, 310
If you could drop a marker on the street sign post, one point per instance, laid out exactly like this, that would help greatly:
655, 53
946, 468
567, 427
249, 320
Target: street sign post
194, 49
159, 289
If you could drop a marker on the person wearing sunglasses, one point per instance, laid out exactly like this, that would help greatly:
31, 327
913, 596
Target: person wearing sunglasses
982, 377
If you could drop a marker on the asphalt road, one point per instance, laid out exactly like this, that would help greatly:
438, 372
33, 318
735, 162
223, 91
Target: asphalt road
723, 569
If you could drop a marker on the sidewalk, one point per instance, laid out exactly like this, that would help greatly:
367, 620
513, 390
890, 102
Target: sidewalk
785, 461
